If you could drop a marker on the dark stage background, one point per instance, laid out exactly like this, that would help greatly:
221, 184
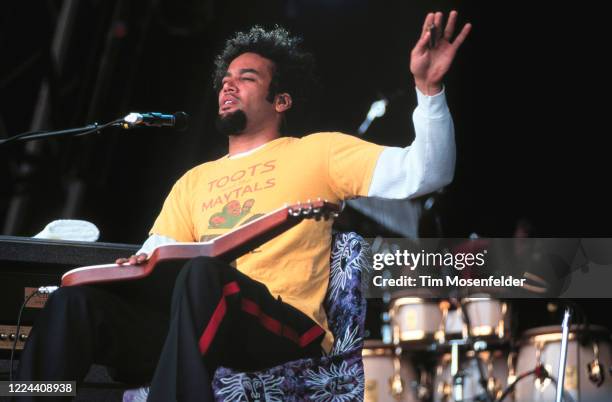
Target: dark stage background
525, 92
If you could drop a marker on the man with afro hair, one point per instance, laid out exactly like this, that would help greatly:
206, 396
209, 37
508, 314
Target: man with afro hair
266, 307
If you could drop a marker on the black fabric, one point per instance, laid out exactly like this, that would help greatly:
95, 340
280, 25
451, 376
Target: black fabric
240, 341
82, 325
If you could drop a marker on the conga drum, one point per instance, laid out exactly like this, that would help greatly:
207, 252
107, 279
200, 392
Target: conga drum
586, 374
388, 378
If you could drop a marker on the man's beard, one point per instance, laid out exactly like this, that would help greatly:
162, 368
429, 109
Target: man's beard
231, 123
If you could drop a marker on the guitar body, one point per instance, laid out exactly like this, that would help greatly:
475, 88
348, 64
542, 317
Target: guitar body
161, 267
126, 272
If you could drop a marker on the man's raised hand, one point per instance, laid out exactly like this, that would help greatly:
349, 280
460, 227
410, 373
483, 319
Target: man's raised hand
429, 63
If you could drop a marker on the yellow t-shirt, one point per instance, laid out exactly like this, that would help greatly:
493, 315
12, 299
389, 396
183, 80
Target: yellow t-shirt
216, 197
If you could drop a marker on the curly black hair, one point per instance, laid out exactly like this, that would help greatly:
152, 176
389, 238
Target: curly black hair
293, 68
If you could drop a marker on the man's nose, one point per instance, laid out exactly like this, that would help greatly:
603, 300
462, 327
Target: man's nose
229, 86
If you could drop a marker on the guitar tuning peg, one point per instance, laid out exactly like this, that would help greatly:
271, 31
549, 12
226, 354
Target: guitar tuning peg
308, 209
296, 210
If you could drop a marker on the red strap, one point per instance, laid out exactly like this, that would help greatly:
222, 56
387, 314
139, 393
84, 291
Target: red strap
266, 321
213, 325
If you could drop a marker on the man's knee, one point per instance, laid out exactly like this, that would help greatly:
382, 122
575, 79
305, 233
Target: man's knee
205, 268
202, 273
66, 306
69, 295
75, 299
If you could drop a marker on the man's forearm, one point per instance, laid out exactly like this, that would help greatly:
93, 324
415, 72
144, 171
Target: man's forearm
428, 163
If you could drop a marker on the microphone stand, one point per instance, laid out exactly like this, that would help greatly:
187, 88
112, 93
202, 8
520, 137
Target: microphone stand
79, 131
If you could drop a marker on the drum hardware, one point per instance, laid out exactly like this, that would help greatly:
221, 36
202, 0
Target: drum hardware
386, 329
480, 345
539, 368
539, 372
462, 381
512, 376
423, 387
595, 369
469, 331
444, 388
494, 385
458, 387
445, 392
456, 374
441, 334
397, 384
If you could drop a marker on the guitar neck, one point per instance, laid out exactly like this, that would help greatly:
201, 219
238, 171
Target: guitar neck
252, 235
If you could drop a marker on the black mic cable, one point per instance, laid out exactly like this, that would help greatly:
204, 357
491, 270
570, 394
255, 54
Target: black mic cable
32, 135
39, 291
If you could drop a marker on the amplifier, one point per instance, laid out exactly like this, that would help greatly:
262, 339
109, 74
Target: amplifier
27, 264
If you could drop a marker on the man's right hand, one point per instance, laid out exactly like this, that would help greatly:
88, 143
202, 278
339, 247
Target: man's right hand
133, 260
430, 64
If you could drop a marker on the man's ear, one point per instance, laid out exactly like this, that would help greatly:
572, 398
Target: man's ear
282, 102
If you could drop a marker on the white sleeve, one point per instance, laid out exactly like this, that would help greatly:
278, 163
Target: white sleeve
154, 241
428, 163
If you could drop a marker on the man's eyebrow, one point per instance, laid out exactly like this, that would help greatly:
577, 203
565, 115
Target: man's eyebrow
249, 70
244, 71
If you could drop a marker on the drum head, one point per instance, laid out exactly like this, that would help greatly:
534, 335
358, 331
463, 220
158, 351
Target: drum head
376, 347
420, 293
594, 330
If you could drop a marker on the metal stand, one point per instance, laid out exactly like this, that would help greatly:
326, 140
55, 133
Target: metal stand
563, 357
456, 373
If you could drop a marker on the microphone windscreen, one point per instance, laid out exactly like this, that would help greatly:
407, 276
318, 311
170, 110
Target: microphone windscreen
181, 121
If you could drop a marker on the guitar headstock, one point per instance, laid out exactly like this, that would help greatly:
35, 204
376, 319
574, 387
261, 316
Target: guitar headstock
314, 209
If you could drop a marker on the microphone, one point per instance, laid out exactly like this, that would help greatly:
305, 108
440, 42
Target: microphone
377, 109
178, 120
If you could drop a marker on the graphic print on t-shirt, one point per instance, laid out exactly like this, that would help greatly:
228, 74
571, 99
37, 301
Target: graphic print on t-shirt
225, 194
230, 215
231, 197
220, 218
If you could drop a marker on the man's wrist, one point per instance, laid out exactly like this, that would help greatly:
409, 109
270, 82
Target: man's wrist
434, 106
428, 88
